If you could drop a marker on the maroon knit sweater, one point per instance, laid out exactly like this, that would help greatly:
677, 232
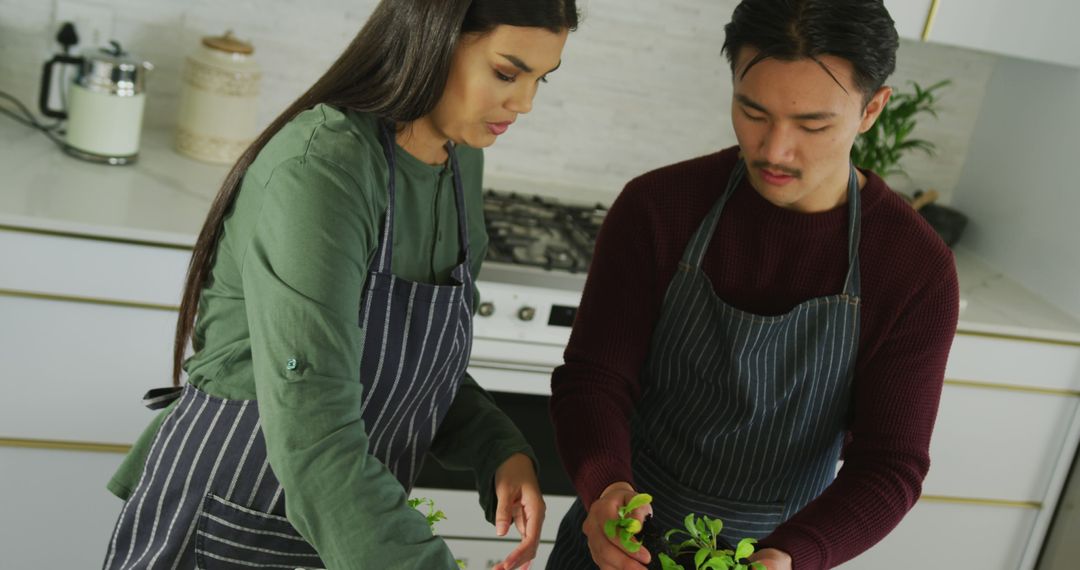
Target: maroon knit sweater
766, 259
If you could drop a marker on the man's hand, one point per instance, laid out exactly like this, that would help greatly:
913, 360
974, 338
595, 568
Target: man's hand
520, 503
608, 553
772, 558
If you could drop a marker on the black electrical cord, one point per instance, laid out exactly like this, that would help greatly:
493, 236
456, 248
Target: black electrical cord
28, 119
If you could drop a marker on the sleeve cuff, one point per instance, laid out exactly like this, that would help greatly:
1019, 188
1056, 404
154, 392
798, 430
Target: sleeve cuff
485, 475
807, 553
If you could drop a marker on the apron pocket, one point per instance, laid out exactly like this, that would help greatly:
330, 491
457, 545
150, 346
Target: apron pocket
231, 536
672, 501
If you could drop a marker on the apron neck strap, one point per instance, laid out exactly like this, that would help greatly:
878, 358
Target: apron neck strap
385, 256
699, 244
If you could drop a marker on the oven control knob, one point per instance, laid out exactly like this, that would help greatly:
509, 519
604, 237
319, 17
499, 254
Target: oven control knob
486, 309
526, 313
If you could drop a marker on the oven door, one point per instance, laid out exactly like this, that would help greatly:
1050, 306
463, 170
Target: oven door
521, 389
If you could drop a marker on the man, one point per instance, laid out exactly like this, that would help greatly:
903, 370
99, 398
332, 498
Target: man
751, 312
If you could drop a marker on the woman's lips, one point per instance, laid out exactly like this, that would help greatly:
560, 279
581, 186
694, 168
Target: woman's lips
498, 128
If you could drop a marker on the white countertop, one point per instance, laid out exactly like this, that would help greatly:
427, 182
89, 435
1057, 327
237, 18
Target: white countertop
164, 197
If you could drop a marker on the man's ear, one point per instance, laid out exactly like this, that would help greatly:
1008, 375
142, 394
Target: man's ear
874, 108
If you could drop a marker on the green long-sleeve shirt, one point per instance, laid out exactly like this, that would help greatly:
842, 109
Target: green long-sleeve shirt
286, 283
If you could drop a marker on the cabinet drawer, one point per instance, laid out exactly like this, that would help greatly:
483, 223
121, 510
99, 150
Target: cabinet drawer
77, 371
997, 444
1015, 362
944, 535
92, 268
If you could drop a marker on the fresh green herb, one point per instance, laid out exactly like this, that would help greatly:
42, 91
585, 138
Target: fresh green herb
626, 527
701, 540
433, 516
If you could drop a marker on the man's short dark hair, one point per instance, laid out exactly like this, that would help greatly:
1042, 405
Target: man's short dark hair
859, 31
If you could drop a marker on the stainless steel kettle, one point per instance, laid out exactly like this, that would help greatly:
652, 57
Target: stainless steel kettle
105, 104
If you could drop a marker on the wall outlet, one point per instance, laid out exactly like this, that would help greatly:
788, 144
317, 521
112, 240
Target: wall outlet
93, 22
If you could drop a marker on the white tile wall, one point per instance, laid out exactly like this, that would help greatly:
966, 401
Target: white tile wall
643, 83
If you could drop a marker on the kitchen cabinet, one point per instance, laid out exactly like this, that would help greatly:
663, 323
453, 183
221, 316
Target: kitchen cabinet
1041, 30
1007, 427
910, 16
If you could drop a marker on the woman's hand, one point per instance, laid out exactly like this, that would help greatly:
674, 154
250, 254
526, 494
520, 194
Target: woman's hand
607, 553
772, 558
520, 503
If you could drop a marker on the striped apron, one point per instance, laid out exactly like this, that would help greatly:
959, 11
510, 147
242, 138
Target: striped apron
208, 497
741, 416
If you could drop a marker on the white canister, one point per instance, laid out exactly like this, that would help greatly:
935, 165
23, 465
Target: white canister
218, 100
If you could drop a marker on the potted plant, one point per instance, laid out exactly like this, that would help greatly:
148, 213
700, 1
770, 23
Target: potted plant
881, 148
702, 549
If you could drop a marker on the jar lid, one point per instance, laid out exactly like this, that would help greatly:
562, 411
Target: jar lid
228, 43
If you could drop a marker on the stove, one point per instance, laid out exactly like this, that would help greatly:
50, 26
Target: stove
541, 232
530, 285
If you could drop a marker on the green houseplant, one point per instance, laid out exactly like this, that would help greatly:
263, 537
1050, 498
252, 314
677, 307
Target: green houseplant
881, 148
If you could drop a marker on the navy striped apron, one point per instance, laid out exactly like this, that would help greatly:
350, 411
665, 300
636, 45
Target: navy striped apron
208, 498
741, 416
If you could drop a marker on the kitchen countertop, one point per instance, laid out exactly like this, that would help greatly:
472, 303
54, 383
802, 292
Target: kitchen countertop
164, 197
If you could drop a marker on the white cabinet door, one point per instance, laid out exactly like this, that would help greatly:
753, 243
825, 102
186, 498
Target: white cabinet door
943, 535
1042, 30
910, 16
54, 509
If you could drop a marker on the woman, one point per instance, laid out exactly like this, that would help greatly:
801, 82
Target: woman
333, 281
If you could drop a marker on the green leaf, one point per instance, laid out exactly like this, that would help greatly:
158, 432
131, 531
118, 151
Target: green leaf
703, 531
758, 566
629, 544
745, 548
609, 527
700, 557
715, 526
688, 522
667, 563
639, 500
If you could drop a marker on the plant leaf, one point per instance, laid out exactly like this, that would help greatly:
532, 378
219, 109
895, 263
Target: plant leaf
609, 527
690, 526
700, 557
629, 544
745, 548
758, 566
715, 526
639, 500
667, 563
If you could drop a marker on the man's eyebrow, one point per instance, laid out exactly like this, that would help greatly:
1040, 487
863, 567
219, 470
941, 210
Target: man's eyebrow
522, 65
815, 116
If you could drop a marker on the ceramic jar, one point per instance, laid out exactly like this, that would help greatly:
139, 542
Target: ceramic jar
217, 119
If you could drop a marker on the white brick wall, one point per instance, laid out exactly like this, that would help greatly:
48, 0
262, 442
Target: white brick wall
643, 83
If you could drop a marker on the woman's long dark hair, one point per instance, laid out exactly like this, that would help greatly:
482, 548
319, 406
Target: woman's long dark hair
396, 69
